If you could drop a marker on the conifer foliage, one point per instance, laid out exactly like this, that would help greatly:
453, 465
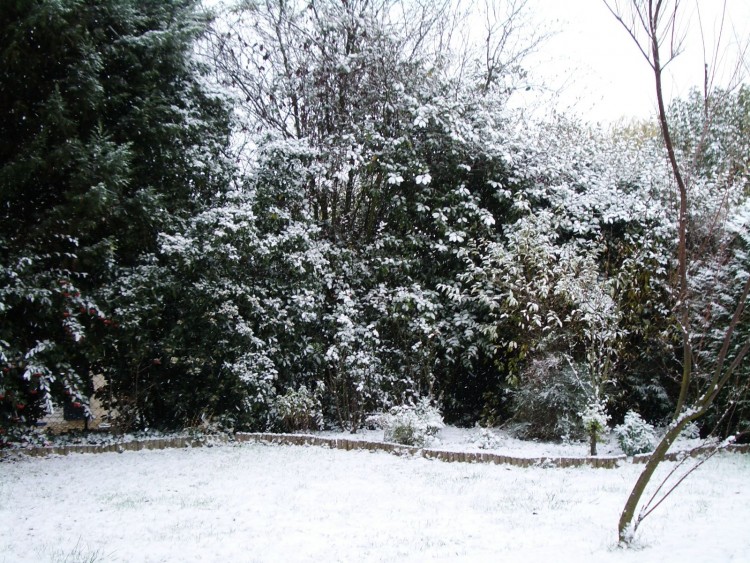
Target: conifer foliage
107, 137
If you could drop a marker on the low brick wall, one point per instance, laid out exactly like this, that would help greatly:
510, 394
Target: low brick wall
677, 456
441, 455
135, 445
607, 462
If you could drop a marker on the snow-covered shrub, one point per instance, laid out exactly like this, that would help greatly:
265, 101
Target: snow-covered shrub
486, 439
548, 399
691, 431
595, 419
299, 410
635, 435
412, 425
20, 436
354, 378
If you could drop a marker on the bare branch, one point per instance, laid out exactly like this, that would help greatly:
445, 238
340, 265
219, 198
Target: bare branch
647, 511
614, 7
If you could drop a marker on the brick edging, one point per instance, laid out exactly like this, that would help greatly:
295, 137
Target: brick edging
135, 445
607, 462
678, 456
428, 453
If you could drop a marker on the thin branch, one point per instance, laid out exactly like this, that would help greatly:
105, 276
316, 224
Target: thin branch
643, 515
663, 483
717, 379
615, 11
687, 456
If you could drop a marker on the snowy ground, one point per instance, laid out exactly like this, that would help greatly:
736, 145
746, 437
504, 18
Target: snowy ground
256, 502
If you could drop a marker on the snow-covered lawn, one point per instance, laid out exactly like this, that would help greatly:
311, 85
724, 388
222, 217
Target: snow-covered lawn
256, 502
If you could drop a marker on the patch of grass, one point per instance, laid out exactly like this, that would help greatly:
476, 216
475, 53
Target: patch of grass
137, 501
80, 553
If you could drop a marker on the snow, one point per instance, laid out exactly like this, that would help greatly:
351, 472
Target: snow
455, 439
256, 502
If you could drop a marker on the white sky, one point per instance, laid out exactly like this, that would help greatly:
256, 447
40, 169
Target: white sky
601, 71
593, 68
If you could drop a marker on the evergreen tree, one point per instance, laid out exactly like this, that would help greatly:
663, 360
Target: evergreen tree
108, 137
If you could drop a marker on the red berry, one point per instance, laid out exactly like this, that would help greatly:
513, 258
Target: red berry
92, 311
34, 391
76, 405
20, 406
66, 314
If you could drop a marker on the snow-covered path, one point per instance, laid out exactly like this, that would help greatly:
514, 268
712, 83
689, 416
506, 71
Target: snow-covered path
286, 503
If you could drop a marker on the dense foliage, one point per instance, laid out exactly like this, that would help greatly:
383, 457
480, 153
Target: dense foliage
107, 139
387, 231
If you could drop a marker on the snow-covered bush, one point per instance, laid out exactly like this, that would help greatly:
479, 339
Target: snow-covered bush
412, 425
299, 410
635, 435
548, 398
595, 419
21, 436
486, 439
691, 431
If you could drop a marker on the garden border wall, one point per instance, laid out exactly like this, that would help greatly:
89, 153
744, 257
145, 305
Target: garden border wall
606, 462
428, 453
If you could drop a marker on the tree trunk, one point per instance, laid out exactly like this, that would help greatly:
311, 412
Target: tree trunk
682, 261
626, 528
648, 14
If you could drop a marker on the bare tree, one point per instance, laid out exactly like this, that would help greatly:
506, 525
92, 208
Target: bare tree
658, 31
338, 74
